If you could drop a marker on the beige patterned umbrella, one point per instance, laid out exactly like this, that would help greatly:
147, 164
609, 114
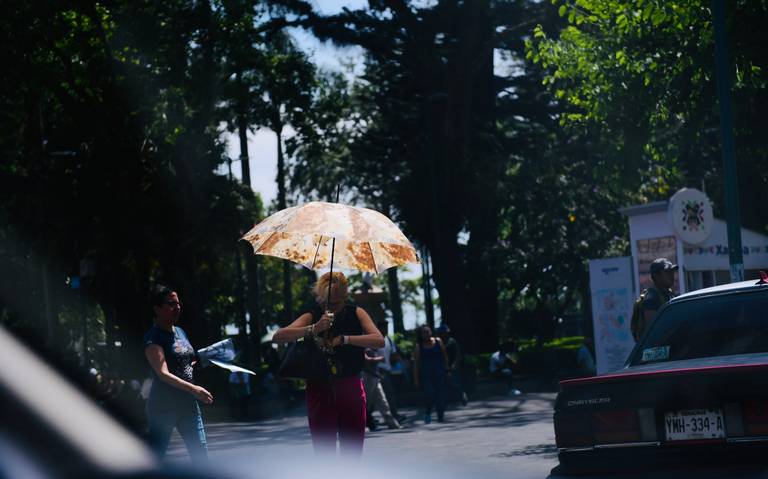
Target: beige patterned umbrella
319, 234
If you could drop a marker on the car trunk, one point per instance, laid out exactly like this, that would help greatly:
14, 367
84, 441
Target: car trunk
650, 404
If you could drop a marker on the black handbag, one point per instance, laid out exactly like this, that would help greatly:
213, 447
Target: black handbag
304, 360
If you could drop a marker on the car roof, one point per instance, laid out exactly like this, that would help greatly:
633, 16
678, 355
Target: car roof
741, 286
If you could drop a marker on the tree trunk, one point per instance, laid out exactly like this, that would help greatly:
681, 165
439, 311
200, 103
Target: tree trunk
242, 128
253, 300
282, 204
426, 287
248, 293
450, 280
482, 292
465, 275
395, 303
242, 320
483, 219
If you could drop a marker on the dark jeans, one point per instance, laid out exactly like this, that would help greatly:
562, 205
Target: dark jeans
187, 419
433, 386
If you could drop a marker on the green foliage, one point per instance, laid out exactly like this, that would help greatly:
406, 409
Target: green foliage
534, 200
416, 140
510, 179
643, 73
272, 305
111, 148
570, 342
405, 343
411, 293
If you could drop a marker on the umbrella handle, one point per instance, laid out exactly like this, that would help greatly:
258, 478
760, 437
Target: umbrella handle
330, 281
333, 249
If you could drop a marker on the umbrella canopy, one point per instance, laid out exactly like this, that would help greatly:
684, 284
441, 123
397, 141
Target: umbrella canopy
365, 240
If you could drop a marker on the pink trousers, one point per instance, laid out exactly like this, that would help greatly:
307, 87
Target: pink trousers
337, 411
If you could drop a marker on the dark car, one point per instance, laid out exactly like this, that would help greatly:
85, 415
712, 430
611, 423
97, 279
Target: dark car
694, 390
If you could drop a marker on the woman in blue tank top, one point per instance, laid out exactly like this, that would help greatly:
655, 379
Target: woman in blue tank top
430, 368
174, 395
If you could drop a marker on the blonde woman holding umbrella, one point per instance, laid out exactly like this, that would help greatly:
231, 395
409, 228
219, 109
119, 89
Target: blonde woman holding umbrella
336, 409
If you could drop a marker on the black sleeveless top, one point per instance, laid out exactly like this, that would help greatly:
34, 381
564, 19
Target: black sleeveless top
349, 359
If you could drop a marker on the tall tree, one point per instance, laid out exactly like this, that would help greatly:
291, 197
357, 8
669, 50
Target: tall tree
425, 144
241, 54
113, 104
286, 87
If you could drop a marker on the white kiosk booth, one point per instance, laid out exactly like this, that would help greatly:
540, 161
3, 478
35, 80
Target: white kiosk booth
683, 230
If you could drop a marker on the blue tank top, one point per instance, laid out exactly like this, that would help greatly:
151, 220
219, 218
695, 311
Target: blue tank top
179, 355
432, 360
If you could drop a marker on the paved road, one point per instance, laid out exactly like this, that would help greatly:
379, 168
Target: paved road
498, 437
501, 437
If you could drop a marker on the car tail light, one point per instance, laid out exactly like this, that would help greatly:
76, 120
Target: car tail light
756, 418
612, 427
573, 430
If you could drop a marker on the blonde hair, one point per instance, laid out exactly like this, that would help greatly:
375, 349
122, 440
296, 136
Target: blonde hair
340, 285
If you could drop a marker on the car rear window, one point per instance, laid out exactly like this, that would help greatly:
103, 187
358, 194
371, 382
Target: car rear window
714, 326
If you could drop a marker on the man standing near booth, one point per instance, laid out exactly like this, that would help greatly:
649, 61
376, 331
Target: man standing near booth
652, 299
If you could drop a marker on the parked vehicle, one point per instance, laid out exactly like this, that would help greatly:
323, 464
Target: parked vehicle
694, 389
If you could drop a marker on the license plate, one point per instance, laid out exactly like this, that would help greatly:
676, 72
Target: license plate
694, 424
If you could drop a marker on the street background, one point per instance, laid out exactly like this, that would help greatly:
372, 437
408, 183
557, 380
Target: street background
500, 436
488, 438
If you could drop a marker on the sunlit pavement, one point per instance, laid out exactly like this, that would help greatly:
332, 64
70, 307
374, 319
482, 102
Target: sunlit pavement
496, 437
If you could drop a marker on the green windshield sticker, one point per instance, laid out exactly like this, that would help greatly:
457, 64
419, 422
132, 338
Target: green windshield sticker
659, 353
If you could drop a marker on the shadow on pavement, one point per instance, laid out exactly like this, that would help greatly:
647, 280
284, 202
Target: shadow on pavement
492, 412
292, 428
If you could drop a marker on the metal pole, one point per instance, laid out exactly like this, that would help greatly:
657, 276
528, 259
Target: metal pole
728, 148
330, 278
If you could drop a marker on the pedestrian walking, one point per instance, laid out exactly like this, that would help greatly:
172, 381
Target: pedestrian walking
336, 408
390, 360
455, 361
173, 397
430, 368
653, 298
376, 399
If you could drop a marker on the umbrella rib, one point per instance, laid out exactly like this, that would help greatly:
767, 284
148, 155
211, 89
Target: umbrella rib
256, 250
373, 258
319, 242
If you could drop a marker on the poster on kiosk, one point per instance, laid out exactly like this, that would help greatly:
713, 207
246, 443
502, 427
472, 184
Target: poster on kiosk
610, 282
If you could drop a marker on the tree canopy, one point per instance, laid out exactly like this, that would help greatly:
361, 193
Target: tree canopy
502, 136
644, 72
